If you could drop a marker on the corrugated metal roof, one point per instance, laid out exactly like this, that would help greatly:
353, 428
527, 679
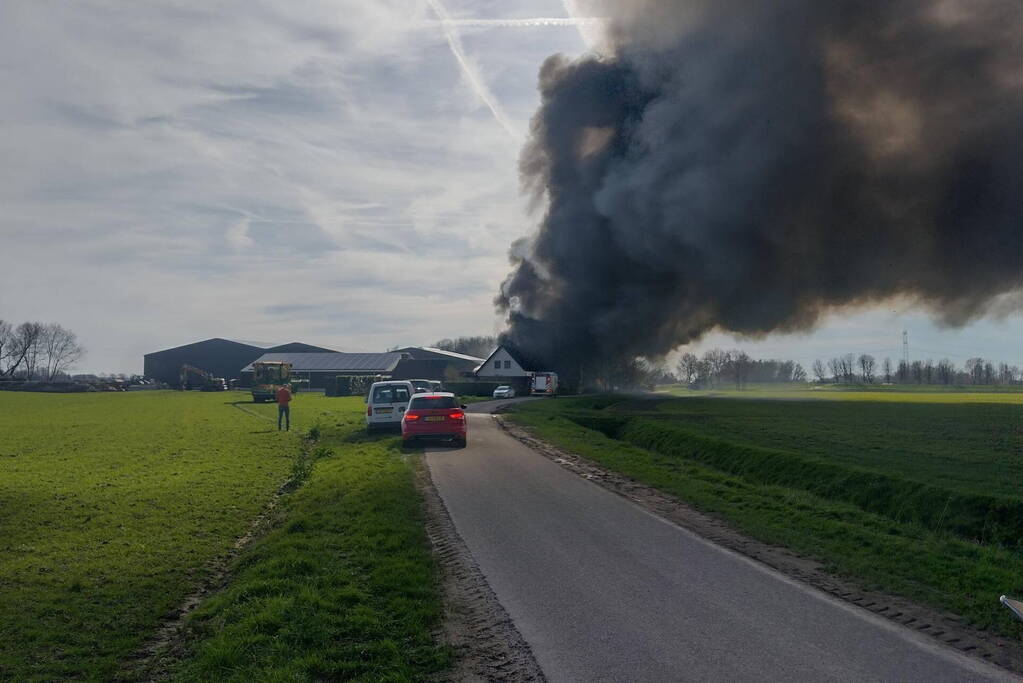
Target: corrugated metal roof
333, 362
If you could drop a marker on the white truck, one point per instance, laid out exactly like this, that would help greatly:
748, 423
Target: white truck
544, 384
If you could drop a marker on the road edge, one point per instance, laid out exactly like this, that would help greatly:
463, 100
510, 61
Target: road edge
943, 628
489, 646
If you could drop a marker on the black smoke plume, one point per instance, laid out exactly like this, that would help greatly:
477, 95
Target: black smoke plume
748, 166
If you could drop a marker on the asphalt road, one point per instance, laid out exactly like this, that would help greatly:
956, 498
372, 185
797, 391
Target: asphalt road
604, 591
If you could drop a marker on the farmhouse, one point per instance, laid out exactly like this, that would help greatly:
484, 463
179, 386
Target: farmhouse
505, 365
221, 357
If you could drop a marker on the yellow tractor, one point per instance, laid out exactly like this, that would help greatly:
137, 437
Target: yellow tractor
267, 378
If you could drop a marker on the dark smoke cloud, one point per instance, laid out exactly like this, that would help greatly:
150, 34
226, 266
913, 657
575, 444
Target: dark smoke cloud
749, 166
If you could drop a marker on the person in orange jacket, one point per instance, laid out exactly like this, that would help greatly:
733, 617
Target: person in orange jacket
284, 407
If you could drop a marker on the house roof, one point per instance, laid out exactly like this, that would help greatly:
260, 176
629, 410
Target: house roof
332, 362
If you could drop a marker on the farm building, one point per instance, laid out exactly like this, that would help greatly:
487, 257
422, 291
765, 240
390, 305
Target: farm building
221, 357
412, 362
425, 362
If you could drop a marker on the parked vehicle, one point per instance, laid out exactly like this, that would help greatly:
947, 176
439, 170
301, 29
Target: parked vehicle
421, 386
544, 384
436, 386
435, 416
386, 403
504, 391
267, 378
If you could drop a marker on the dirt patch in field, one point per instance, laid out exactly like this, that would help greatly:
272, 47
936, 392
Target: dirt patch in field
943, 627
488, 645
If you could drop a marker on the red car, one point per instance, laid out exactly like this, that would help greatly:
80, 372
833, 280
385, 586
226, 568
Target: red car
434, 416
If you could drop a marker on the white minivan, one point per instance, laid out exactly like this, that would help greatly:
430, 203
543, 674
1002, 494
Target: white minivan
386, 404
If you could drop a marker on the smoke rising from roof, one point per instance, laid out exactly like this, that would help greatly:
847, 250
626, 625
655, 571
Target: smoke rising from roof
750, 166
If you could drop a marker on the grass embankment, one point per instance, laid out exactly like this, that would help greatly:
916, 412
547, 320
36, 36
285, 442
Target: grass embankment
913, 497
114, 506
111, 505
343, 587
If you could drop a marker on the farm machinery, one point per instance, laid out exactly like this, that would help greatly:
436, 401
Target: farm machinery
267, 378
206, 380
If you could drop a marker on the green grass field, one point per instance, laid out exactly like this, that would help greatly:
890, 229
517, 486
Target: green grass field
343, 587
112, 506
908, 494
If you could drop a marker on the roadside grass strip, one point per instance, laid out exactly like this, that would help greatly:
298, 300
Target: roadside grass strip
112, 508
956, 550
343, 587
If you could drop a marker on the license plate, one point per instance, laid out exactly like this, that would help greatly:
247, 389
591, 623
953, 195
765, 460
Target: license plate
384, 410
435, 418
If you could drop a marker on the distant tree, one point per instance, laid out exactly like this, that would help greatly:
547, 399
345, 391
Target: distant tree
867, 368
480, 346
798, 373
740, 364
886, 368
715, 361
835, 366
989, 373
688, 368
902, 374
819, 373
59, 349
975, 370
928, 371
27, 348
946, 371
917, 368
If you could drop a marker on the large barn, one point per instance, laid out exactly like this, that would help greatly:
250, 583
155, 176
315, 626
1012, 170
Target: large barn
320, 369
220, 357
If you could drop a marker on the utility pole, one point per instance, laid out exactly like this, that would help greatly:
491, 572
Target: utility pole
905, 348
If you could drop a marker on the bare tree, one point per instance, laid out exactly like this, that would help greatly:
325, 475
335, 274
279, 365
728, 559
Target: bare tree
835, 366
688, 368
60, 349
975, 370
740, 362
867, 368
799, 374
21, 349
715, 362
929, 371
946, 371
819, 373
886, 368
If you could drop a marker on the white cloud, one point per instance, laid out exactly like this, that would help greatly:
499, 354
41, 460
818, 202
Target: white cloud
260, 169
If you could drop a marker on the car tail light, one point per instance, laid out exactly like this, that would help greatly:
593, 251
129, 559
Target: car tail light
457, 415
411, 417
369, 411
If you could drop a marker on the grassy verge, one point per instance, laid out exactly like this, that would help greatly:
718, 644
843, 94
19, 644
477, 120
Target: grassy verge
111, 507
343, 587
880, 547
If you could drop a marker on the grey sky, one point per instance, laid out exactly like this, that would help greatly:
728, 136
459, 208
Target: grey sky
317, 171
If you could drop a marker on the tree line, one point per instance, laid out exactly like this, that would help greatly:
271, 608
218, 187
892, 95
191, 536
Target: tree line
718, 368
37, 351
849, 369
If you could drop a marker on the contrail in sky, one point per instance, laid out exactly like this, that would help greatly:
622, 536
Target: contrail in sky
468, 68
513, 23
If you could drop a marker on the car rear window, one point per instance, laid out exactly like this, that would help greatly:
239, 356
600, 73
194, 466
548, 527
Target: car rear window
427, 402
391, 394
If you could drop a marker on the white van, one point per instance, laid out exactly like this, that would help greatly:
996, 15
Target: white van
386, 404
